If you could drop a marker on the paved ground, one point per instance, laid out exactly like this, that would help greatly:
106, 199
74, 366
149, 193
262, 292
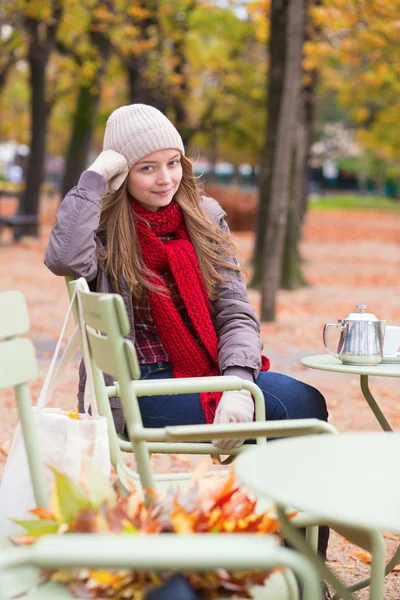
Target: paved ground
349, 258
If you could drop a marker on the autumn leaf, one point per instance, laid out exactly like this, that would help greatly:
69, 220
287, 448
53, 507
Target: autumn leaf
67, 498
36, 528
73, 414
43, 513
208, 505
365, 557
96, 485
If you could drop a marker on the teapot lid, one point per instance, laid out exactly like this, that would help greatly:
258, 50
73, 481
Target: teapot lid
361, 315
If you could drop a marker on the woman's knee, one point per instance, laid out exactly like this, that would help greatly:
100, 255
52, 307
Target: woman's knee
289, 398
315, 403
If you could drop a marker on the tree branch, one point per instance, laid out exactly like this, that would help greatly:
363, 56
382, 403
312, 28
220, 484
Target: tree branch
5, 68
68, 51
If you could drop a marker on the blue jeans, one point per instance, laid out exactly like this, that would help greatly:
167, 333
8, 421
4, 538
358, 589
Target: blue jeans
285, 398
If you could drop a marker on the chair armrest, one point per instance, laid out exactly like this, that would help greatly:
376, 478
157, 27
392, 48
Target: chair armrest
196, 552
271, 429
166, 551
202, 433
195, 385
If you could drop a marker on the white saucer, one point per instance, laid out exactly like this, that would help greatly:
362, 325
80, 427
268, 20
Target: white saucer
391, 358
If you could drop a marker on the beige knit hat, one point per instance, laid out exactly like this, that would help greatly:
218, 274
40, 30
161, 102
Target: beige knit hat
138, 130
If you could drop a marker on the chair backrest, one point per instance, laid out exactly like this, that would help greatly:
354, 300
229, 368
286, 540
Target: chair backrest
14, 318
106, 325
103, 403
17, 355
18, 366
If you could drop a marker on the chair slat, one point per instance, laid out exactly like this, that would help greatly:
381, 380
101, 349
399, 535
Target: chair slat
132, 360
17, 362
14, 318
102, 349
106, 355
101, 312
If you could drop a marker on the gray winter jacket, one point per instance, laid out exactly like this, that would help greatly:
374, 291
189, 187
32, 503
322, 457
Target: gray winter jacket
74, 249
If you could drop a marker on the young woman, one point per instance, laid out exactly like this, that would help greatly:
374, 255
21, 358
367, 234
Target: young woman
137, 224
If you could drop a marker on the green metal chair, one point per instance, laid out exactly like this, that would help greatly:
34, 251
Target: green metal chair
106, 323
198, 552
20, 566
18, 367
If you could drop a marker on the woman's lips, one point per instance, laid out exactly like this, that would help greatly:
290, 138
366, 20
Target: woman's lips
163, 193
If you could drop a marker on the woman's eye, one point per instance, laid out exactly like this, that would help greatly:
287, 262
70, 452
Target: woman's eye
173, 162
146, 168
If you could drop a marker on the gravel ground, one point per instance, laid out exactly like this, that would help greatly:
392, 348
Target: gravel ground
348, 258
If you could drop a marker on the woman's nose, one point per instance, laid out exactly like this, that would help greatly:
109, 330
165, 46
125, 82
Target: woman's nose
163, 176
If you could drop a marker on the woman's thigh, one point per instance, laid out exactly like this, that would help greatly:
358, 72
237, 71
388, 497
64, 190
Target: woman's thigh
288, 398
177, 409
285, 398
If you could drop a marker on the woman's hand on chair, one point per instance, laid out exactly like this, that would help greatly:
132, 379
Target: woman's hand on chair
234, 407
113, 167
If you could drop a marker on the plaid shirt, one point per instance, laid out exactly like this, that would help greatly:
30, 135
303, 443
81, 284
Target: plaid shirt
148, 345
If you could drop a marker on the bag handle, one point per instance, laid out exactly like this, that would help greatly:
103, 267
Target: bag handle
89, 399
55, 371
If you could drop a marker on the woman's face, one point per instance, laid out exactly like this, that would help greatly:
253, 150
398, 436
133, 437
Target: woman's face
154, 179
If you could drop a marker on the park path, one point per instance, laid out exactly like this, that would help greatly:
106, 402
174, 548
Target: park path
349, 258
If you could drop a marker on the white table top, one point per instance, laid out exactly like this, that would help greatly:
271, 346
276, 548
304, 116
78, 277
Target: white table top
350, 478
327, 362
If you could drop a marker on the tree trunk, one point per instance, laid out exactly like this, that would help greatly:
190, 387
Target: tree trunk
279, 184
138, 89
42, 38
179, 92
30, 199
81, 138
292, 277
86, 113
141, 90
309, 99
4, 71
277, 56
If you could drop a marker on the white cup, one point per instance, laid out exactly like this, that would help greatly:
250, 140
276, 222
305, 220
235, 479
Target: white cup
391, 342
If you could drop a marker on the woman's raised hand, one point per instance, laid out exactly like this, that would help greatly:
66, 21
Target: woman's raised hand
113, 167
234, 407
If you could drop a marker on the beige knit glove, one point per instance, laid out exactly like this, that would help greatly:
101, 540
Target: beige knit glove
234, 407
113, 167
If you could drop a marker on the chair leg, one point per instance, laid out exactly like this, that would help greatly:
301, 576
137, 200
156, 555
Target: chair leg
291, 583
298, 542
389, 567
303, 570
376, 580
312, 536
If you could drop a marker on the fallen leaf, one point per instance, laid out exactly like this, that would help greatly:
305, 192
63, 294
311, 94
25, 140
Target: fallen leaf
362, 555
391, 536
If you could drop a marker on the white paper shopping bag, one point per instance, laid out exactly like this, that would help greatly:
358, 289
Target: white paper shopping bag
65, 443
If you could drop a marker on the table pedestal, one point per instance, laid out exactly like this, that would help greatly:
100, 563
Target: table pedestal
383, 422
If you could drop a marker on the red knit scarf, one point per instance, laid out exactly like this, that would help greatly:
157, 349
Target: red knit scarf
188, 357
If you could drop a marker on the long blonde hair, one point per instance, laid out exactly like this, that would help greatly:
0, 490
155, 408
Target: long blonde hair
123, 258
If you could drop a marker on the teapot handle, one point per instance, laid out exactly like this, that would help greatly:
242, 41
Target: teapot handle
341, 327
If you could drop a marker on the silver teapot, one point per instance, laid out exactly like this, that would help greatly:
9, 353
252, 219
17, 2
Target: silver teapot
361, 338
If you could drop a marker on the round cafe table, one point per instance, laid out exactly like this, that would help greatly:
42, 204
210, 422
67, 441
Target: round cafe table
327, 362
349, 481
